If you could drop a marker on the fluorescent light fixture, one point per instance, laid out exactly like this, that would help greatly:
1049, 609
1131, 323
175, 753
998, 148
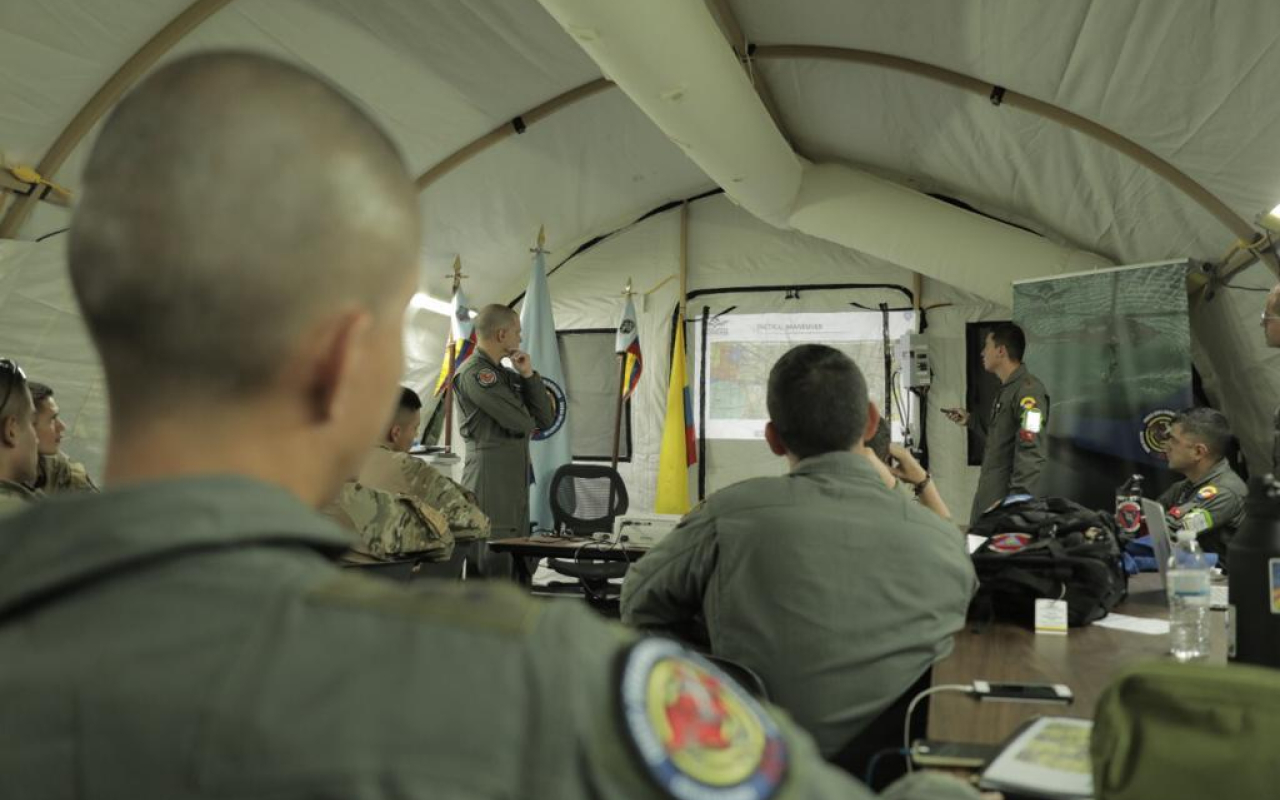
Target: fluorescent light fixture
426, 302
1270, 220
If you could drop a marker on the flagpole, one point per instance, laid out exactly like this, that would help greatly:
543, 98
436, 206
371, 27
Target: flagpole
451, 355
622, 383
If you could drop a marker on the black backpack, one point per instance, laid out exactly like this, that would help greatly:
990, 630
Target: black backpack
1050, 547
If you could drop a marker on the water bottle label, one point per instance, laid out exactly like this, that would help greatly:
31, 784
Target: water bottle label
1190, 586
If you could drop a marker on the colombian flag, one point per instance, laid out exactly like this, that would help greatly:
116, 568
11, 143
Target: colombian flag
628, 345
679, 450
462, 342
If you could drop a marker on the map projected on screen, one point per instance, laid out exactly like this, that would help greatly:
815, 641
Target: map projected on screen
742, 348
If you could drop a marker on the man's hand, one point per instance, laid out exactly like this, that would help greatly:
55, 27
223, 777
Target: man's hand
881, 469
907, 468
957, 415
520, 360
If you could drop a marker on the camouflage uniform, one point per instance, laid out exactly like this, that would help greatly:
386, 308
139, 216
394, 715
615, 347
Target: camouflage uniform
391, 526
401, 473
14, 497
58, 473
230, 658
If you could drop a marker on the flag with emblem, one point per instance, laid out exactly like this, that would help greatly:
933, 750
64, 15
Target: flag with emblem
549, 448
679, 449
462, 339
628, 346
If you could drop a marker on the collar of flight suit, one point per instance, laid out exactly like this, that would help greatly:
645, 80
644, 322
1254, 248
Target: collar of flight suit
1017, 375
1219, 469
844, 463
57, 545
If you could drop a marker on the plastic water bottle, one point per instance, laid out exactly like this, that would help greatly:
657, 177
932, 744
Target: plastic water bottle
1188, 580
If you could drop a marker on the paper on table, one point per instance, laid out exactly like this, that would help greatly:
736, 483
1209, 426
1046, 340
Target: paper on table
1124, 622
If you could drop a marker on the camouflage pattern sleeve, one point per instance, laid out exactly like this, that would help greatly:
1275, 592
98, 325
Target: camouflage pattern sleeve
441, 493
392, 526
58, 473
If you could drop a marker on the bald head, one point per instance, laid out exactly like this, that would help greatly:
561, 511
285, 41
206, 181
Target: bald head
230, 203
492, 319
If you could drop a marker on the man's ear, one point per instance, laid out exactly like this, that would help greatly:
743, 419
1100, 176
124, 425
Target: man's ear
341, 346
9, 431
774, 440
873, 422
393, 433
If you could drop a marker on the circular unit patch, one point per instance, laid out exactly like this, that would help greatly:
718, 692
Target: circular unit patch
1155, 432
1009, 542
558, 407
697, 733
1129, 516
1027, 403
1207, 493
486, 377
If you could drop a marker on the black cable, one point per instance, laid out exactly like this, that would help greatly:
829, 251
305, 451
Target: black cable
54, 233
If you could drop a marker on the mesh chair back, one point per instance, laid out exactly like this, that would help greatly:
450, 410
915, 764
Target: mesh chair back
585, 498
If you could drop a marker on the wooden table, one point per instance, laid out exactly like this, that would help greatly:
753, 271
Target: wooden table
1086, 659
535, 547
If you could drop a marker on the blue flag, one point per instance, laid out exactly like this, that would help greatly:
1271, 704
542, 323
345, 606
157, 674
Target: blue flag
550, 447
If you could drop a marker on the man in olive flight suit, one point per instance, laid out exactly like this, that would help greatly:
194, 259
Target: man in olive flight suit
58, 472
185, 634
1013, 433
19, 444
837, 590
499, 410
1210, 498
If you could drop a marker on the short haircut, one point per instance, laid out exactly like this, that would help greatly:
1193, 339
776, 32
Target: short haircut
493, 318
229, 203
1207, 426
1011, 338
409, 401
39, 392
817, 400
880, 441
13, 403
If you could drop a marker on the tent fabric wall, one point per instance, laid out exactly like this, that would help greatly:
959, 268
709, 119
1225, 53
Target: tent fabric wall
728, 248
1240, 375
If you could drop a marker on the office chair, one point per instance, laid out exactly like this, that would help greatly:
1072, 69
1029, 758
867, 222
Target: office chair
884, 734
585, 499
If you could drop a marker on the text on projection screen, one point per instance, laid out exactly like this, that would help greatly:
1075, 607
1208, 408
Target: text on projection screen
742, 348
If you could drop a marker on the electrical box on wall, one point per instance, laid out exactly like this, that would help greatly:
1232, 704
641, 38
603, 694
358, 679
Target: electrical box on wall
911, 352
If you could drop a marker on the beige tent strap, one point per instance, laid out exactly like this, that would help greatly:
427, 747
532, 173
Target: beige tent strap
106, 97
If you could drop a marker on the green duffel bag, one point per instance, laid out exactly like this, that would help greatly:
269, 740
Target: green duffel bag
1169, 731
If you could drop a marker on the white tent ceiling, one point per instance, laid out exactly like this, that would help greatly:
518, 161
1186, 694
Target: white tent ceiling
1192, 81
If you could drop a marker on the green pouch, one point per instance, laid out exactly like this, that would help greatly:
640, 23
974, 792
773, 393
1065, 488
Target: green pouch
1169, 730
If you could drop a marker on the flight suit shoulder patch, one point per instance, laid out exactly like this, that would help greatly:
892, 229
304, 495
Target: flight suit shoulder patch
696, 733
497, 610
487, 377
1207, 493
